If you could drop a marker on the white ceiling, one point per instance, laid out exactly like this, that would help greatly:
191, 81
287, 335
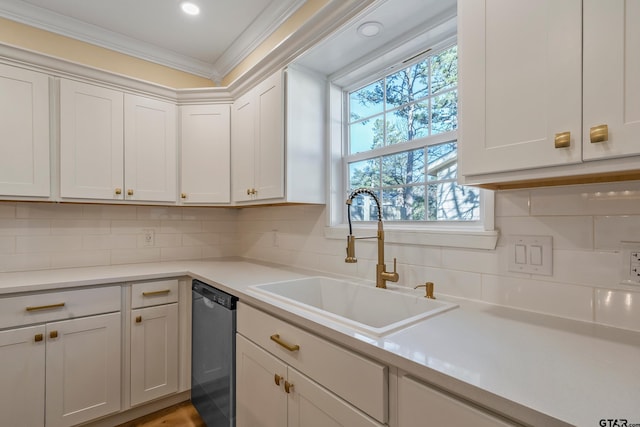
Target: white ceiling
226, 31
208, 45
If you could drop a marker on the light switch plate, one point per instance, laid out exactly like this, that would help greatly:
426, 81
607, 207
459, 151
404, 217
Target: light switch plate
538, 254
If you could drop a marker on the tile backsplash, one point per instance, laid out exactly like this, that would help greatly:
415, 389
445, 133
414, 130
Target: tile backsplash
35, 236
586, 222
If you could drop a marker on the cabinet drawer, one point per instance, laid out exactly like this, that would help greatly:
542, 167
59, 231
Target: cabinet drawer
326, 363
47, 306
145, 294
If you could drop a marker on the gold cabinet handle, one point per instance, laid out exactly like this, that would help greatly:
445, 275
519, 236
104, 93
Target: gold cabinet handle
562, 139
45, 307
156, 293
288, 386
254, 191
282, 343
599, 133
277, 378
130, 192
38, 337
118, 191
183, 195
138, 319
248, 191
53, 334
428, 290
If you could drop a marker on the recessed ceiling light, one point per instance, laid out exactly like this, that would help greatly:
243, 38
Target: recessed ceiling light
370, 29
190, 8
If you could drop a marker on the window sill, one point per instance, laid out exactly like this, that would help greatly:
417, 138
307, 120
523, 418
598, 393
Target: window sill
450, 237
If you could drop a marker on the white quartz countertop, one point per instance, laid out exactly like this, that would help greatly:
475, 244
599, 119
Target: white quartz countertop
539, 369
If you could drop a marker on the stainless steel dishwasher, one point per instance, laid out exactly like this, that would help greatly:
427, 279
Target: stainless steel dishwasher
213, 354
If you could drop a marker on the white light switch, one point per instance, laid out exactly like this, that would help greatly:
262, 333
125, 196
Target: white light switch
536, 255
531, 254
521, 254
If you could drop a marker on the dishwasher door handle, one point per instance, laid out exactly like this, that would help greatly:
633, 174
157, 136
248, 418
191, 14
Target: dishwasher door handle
282, 343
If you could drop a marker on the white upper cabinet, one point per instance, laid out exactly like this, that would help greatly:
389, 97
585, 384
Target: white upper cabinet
611, 76
115, 146
277, 140
258, 142
24, 120
150, 168
549, 91
519, 80
206, 154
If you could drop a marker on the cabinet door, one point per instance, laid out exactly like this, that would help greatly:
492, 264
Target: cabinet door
150, 149
311, 405
519, 82
260, 402
243, 140
206, 154
24, 120
154, 352
269, 156
22, 364
420, 405
82, 369
91, 141
612, 77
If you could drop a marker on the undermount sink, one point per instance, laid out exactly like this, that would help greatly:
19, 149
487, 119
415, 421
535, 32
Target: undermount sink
362, 307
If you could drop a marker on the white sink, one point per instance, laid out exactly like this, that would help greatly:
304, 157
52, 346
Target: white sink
362, 307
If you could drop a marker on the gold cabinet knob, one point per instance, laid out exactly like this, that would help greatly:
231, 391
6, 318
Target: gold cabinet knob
38, 338
248, 191
254, 191
562, 139
288, 387
138, 319
277, 378
599, 133
183, 195
130, 192
53, 334
118, 191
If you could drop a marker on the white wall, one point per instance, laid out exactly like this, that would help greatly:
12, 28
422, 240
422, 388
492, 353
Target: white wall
35, 236
587, 224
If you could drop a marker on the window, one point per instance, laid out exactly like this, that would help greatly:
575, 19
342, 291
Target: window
401, 143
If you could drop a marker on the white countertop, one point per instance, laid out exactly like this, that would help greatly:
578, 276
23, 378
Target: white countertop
540, 369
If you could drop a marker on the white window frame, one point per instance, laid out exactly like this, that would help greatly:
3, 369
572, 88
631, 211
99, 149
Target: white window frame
460, 234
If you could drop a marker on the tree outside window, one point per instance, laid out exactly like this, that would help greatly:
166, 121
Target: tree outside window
391, 147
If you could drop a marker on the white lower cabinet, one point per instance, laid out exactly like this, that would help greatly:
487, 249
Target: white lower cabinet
74, 361
420, 405
286, 376
154, 340
269, 393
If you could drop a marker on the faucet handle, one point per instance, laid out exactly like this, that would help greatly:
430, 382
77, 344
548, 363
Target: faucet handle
428, 288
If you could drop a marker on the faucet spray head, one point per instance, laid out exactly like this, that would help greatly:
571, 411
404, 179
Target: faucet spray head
351, 250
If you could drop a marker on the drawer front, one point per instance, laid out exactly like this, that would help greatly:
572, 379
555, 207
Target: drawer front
48, 306
146, 294
356, 379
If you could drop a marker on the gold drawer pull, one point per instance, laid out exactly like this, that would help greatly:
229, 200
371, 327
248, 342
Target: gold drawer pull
288, 386
599, 134
45, 307
563, 139
118, 191
129, 192
38, 338
139, 319
156, 293
277, 378
53, 334
183, 195
290, 347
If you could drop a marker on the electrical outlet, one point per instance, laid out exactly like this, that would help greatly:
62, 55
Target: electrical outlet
148, 237
630, 270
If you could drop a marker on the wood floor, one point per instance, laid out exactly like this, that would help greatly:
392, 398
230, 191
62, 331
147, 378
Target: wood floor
180, 415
